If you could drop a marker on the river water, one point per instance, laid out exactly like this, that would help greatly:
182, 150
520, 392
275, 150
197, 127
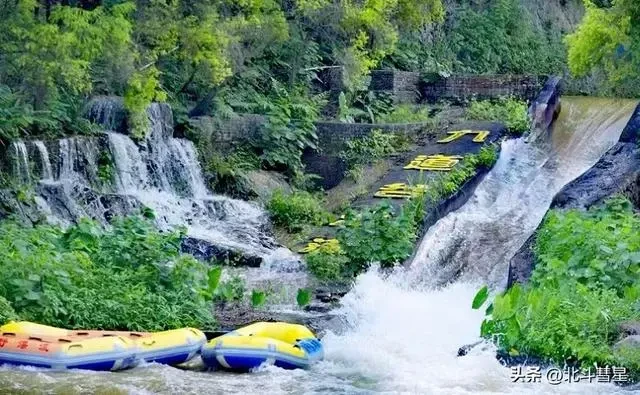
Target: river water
402, 332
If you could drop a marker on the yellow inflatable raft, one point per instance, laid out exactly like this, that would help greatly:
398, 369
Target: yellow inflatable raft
170, 347
107, 353
288, 346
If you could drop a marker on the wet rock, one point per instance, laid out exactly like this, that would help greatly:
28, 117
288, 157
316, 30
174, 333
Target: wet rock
207, 251
618, 171
464, 350
629, 328
236, 315
108, 112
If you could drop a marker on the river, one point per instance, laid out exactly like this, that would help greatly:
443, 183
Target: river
403, 331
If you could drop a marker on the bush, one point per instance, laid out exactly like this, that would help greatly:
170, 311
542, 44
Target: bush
584, 285
405, 113
564, 323
6, 311
608, 241
513, 113
371, 148
450, 182
127, 277
328, 263
378, 234
295, 210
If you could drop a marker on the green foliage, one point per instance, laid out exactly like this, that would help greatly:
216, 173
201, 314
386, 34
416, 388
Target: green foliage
258, 298
562, 323
295, 210
406, 113
106, 168
368, 149
128, 277
583, 286
231, 290
607, 41
450, 182
226, 172
328, 263
303, 297
6, 311
609, 247
363, 106
290, 126
378, 234
512, 112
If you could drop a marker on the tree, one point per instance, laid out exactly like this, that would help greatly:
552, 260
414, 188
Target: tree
608, 40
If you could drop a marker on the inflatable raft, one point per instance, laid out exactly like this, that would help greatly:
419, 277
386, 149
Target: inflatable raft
108, 353
170, 347
288, 346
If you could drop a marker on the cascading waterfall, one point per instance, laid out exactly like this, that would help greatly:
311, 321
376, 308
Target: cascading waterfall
21, 161
161, 173
45, 162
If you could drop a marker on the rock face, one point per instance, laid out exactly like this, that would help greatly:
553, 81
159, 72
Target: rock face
629, 328
617, 172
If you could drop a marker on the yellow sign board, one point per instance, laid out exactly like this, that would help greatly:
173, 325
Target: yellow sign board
400, 190
480, 135
317, 243
433, 162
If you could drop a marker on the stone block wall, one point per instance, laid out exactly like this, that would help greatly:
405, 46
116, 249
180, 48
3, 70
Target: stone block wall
225, 133
403, 86
465, 87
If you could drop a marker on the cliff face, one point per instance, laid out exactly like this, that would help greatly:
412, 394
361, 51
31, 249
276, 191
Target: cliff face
557, 17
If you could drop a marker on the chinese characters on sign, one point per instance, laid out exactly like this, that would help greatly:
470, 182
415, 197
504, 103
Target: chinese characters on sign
555, 376
317, 243
481, 136
433, 162
400, 190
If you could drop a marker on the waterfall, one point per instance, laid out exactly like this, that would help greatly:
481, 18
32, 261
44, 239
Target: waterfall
20, 163
476, 242
45, 162
131, 169
160, 172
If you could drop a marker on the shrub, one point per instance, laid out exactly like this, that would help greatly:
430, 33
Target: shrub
6, 311
512, 112
127, 277
584, 285
295, 210
608, 253
378, 234
328, 263
376, 146
568, 322
405, 113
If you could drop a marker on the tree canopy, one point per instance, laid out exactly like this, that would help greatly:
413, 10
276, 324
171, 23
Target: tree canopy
608, 41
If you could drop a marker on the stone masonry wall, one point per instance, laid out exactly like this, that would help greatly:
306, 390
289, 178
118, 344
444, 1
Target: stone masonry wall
225, 133
465, 87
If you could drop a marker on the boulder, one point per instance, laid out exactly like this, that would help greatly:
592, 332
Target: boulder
263, 183
629, 328
206, 251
